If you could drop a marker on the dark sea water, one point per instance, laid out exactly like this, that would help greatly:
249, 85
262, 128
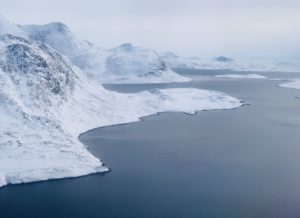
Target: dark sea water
222, 163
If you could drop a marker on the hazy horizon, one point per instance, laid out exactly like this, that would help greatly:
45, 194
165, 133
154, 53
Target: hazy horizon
240, 29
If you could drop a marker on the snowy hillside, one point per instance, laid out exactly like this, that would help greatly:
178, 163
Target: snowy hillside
36, 84
83, 54
124, 64
128, 63
59, 37
46, 102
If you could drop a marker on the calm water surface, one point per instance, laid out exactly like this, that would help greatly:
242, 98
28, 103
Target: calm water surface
233, 163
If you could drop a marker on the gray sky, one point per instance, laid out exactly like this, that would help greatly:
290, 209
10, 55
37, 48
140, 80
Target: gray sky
242, 29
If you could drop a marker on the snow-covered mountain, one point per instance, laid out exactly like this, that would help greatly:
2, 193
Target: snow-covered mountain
59, 37
124, 64
120, 65
37, 87
135, 64
46, 102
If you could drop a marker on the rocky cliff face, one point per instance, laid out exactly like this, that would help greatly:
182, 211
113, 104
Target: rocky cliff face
36, 65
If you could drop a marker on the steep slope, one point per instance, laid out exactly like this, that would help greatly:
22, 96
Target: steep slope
46, 102
36, 84
7, 27
59, 37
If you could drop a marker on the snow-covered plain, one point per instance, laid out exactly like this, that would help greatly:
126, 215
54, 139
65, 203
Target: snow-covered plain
241, 76
46, 101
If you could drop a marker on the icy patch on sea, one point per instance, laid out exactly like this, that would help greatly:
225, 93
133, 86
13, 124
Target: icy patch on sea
241, 76
295, 84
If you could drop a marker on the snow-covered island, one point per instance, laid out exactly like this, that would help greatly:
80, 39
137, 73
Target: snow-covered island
50, 92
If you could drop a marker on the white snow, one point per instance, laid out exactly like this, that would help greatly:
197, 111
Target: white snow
241, 76
8, 27
46, 102
295, 84
124, 64
131, 64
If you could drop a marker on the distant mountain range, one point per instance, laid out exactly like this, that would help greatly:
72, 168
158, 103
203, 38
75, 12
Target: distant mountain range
175, 61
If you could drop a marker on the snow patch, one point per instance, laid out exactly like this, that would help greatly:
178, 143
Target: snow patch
295, 84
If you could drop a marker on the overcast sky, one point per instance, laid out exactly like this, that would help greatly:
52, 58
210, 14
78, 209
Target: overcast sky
242, 29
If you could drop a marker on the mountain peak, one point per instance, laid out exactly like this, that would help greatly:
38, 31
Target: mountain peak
50, 28
126, 47
223, 59
169, 55
57, 26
